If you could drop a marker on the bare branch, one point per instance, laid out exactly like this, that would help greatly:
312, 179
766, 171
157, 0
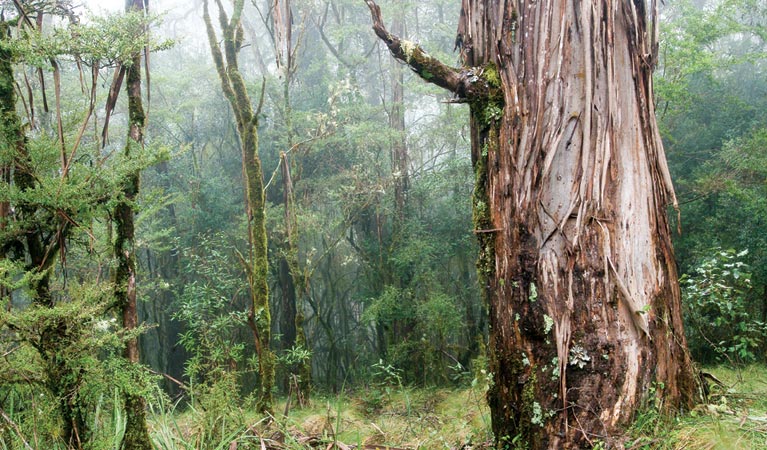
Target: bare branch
114, 92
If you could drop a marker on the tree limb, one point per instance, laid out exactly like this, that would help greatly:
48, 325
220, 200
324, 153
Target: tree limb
427, 67
461, 82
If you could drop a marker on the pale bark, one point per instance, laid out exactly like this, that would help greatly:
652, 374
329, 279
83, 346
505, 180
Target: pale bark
570, 210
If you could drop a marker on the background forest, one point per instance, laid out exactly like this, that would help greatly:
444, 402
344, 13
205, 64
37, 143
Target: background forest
374, 303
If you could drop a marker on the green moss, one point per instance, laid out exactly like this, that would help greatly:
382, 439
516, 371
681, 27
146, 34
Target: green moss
408, 48
491, 76
487, 112
481, 210
488, 107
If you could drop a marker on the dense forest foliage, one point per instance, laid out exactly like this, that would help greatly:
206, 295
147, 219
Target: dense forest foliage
365, 184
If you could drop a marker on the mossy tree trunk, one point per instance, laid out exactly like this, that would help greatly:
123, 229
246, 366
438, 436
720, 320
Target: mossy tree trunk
136, 432
570, 211
233, 85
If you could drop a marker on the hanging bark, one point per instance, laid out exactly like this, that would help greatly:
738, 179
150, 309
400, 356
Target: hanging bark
136, 433
233, 85
570, 214
298, 284
399, 154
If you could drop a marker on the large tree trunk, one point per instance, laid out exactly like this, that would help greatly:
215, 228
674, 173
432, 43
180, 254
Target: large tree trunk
570, 210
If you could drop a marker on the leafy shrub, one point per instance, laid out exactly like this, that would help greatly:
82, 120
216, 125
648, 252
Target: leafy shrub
720, 321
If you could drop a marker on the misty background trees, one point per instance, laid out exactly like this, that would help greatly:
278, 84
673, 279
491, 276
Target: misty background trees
368, 188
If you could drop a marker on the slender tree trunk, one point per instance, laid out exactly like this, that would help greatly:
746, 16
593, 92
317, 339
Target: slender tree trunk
764, 304
298, 283
570, 213
136, 432
399, 153
292, 281
235, 91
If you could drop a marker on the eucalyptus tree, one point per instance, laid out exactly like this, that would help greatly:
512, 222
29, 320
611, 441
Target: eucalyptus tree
570, 200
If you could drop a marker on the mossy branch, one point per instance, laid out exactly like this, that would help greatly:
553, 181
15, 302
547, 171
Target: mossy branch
218, 57
462, 82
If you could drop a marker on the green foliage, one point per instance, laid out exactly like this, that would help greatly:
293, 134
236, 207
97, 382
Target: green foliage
720, 322
294, 356
710, 93
213, 310
79, 371
106, 40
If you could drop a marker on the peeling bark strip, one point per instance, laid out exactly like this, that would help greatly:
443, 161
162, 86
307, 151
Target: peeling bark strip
572, 187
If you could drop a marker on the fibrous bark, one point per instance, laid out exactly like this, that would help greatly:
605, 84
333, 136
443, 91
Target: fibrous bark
570, 213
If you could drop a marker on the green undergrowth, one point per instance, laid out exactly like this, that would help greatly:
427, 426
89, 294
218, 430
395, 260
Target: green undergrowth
735, 417
375, 418
379, 417
366, 418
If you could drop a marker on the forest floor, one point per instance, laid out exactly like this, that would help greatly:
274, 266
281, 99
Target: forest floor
376, 418
734, 418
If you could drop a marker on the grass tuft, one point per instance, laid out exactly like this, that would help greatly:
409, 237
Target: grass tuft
735, 417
